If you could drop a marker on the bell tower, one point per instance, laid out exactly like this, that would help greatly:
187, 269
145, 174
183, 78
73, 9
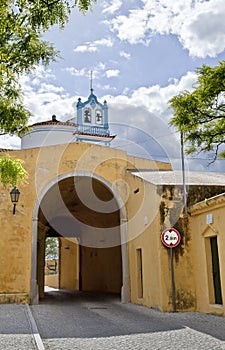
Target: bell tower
92, 120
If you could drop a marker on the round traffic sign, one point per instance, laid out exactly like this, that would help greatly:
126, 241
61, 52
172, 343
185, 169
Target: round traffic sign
170, 237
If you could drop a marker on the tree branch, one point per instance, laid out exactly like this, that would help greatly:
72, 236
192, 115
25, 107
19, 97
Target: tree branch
216, 153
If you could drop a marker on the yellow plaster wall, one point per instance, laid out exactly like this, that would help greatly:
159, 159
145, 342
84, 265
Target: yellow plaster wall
52, 273
52, 281
184, 269
145, 226
148, 242
144, 234
68, 264
44, 165
201, 233
101, 269
15, 249
144, 230
14, 273
41, 262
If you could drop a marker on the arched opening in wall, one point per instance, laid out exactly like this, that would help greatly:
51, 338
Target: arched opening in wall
82, 213
51, 269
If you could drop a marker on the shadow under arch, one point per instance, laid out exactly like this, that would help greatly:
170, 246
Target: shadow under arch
125, 290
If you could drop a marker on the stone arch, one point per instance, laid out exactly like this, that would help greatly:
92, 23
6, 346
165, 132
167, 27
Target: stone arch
125, 290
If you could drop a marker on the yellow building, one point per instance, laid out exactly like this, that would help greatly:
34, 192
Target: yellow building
76, 191
153, 285
108, 210
207, 226
109, 214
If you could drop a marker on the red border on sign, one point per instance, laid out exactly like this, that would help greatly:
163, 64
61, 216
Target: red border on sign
170, 245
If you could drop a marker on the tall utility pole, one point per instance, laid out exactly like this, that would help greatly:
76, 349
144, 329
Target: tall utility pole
183, 174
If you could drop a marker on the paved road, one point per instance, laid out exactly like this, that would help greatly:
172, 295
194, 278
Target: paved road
82, 321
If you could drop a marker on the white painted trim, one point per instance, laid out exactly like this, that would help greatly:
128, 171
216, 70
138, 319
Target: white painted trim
36, 334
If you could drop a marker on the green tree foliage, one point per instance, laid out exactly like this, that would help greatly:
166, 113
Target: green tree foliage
11, 171
22, 48
200, 114
51, 248
22, 23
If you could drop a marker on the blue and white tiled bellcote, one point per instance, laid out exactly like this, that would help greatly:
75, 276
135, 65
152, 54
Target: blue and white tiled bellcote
92, 121
92, 116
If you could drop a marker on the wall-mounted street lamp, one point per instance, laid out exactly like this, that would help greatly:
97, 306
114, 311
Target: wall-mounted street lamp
14, 194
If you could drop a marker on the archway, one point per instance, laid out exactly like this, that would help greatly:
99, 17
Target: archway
86, 208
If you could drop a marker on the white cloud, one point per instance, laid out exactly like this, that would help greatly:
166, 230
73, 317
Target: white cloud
131, 28
111, 6
145, 113
39, 75
50, 88
100, 67
107, 42
43, 73
98, 71
94, 45
10, 142
105, 87
44, 105
112, 73
45, 99
85, 48
155, 98
204, 33
76, 72
125, 55
49, 99
199, 25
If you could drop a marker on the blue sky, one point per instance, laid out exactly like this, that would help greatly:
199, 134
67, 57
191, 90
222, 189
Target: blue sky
141, 53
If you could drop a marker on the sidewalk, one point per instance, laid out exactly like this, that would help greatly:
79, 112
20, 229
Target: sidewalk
16, 328
91, 321
87, 321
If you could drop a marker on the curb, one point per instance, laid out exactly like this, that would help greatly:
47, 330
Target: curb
34, 329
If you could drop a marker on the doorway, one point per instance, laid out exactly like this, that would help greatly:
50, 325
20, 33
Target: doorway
51, 270
139, 273
101, 259
216, 271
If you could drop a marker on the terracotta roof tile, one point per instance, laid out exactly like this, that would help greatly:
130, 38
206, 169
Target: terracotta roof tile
5, 150
51, 122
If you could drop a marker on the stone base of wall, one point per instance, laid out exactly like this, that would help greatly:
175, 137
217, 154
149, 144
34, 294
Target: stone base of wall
218, 310
14, 298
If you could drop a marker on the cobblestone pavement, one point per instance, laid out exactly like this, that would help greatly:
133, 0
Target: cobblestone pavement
82, 321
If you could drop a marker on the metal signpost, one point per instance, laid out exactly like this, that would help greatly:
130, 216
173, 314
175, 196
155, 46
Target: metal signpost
171, 239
